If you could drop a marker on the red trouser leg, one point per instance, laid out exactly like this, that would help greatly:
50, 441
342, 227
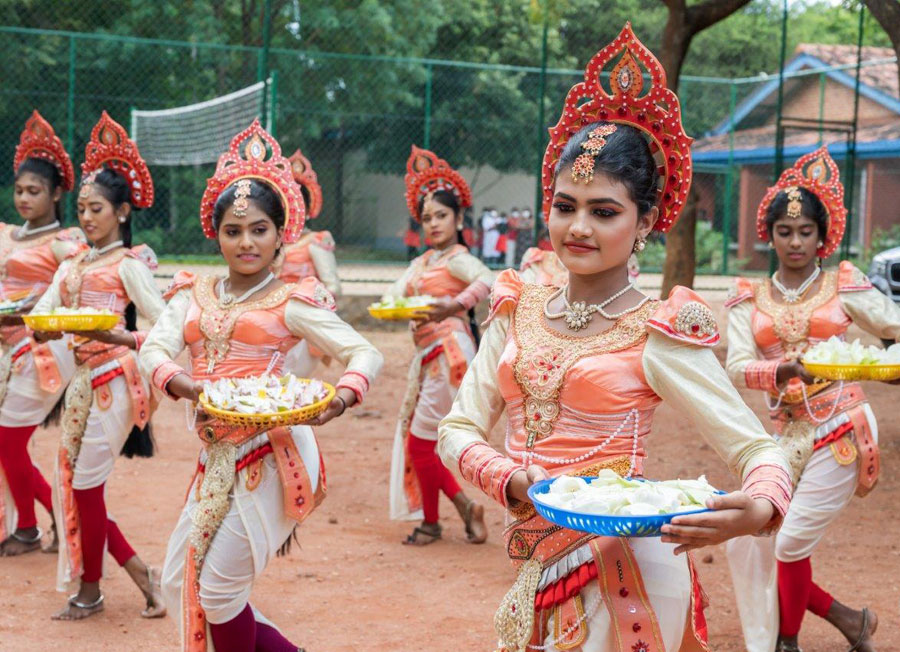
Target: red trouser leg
820, 600
42, 491
269, 639
19, 472
433, 476
96, 532
237, 635
794, 584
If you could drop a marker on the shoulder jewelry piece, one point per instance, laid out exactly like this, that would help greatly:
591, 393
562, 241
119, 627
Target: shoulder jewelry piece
793, 295
583, 168
241, 203
579, 314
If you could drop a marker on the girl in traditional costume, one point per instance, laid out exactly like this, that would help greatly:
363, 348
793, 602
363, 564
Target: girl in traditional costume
107, 403
581, 369
251, 488
312, 255
32, 376
827, 428
436, 195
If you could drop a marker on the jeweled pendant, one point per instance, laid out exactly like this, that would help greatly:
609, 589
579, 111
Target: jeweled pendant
578, 316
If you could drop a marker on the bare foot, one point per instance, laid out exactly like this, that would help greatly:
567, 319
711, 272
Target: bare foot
472, 515
53, 547
858, 627
21, 542
79, 609
424, 534
156, 608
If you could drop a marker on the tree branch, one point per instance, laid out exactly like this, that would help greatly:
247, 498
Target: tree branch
710, 12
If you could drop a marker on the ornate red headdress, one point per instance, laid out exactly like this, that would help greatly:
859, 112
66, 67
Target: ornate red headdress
246, 158
818, 173
40, 141
656, 113
426, 173
110, 145
306, 177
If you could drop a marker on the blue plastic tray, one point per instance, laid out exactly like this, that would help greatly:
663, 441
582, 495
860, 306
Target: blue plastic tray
606, 526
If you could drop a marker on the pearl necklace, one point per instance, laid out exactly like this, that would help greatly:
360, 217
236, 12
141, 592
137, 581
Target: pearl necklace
578, 315
793, 295
226, 299
95, 253
24, 231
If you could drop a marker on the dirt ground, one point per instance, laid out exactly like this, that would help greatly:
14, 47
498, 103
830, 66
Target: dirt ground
352, 586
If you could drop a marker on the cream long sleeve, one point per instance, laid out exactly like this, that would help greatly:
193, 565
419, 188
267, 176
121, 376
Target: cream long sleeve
468, 268
398, 287
140, 286
326, 268
742, 351
51, 298
166, 340
873, 312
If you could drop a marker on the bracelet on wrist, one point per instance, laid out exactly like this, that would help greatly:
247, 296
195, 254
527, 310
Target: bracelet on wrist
343, 404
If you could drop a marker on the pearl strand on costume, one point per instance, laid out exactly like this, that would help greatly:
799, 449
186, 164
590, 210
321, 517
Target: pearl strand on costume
24, 232
578, 315
228, 299
834, 405
589, 612
793, 295
529, 456
95, 253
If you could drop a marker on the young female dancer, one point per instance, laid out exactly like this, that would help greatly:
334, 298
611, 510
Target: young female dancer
251, 488
436, 195
312, 255
580, 370
32, 376
827, 428
107, 403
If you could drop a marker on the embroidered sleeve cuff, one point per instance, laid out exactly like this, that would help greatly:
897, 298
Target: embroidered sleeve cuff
139, 338
773, 483
356, 383
474, 294
488, 470
163, 374
762, 375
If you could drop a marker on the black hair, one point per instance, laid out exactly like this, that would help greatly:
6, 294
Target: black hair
811, 207
49, 173
305, 193
117, 191
626, 158
451, 201
262, 194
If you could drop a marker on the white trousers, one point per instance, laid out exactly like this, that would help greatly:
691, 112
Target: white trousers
252, 532
26, 404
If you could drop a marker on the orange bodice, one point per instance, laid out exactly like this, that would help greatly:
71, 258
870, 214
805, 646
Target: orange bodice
431, 275
296, 262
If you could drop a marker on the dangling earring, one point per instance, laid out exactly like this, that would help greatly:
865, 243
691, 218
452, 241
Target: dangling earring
639, 244
459, 227
121, 219
821, 244
771, 245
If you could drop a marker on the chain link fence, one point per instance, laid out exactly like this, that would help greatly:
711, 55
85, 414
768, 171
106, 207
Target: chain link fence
355, 117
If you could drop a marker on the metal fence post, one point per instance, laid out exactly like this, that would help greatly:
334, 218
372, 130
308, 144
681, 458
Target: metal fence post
541, 134
729, 181
70, 118
273, 104
429, 74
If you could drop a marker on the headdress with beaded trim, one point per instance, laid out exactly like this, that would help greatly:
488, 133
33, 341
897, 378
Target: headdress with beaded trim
306, 177
110, 146
254, 154
38, 140
656, 113
819, 174
425, 174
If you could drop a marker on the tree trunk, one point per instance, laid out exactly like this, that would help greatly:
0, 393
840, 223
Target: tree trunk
683, 23
887, 13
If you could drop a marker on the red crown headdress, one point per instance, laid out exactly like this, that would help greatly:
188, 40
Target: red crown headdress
306, 177
656, 113
110, 145
426, 173
818, 173
248, 158
38, 140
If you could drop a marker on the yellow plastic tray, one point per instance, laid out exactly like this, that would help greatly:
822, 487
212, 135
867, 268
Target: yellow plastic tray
396, 314
271, 419
853, 372
97, 322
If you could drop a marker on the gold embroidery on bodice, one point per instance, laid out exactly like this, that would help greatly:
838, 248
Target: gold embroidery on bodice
217, 322
79, 268
544, 356
790, 321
